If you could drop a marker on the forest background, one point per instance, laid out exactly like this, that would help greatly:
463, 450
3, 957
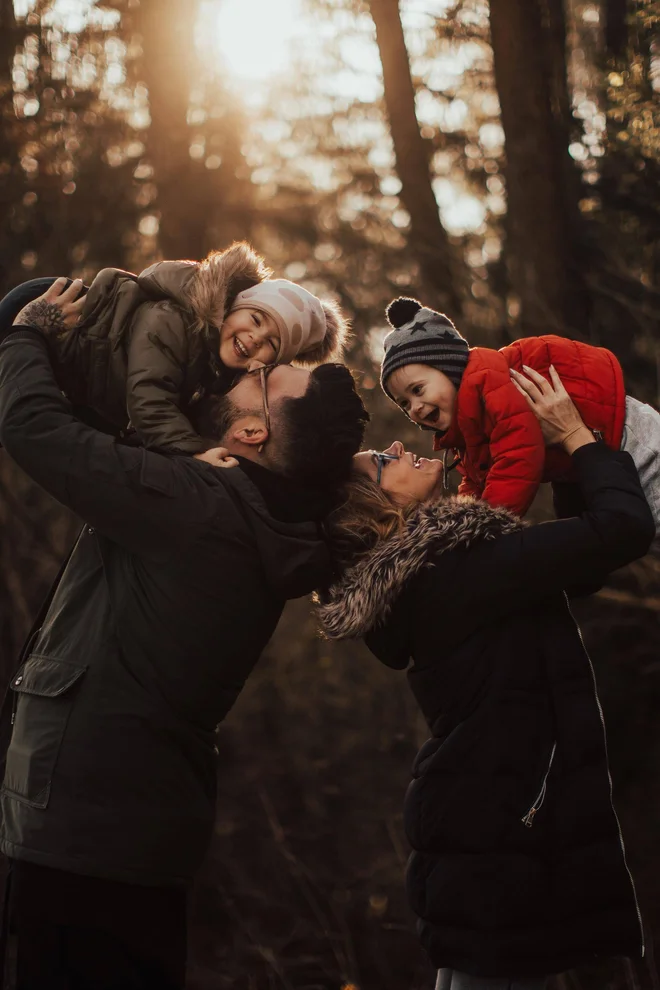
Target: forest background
500, 160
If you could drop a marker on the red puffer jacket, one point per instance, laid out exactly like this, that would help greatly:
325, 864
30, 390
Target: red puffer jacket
496, 434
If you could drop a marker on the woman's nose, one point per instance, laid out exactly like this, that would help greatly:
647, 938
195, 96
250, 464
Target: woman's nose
395, 448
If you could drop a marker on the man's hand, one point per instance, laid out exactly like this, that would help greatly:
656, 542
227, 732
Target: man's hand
57, 310
218, 457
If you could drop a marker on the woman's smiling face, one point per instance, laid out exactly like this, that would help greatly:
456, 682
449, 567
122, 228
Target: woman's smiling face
425, 394
405, 476
248, 335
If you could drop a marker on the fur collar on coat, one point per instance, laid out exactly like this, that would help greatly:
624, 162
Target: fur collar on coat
364, 595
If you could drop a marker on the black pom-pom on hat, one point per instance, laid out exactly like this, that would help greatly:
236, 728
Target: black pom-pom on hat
401, 311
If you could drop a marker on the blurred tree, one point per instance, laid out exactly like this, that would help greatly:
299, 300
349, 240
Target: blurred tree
428, 239
616, 26
542, 225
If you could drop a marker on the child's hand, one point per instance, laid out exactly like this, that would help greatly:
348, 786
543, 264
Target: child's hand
56, 310
218, 457
552, 405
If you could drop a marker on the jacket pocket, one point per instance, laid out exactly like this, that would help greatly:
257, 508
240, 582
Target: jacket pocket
44, 692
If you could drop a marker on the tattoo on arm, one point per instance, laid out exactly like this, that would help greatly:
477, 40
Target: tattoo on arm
43, 315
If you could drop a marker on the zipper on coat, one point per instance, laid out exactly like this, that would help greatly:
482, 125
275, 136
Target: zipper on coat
528, 819
609, 777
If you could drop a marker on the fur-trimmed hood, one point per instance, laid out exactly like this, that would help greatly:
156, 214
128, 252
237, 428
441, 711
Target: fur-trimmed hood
206, 288
363, 597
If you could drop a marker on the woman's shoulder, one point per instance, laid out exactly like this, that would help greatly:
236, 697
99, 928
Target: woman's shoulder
424, 552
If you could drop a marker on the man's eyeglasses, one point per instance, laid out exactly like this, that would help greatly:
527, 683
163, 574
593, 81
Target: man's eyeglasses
381, 460
263, 373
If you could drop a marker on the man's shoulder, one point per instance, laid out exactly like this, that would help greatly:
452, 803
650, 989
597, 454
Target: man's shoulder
181, 475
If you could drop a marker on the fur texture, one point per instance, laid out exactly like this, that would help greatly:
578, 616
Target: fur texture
366, 592
220, 277
223, 274
337, 334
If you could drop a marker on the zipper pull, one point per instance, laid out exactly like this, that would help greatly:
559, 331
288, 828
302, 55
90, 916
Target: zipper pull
528, 820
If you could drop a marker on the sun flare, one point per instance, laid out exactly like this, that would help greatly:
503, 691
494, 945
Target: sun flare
255, 37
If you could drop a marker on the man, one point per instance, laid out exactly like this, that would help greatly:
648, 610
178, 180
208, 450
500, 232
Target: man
172, 591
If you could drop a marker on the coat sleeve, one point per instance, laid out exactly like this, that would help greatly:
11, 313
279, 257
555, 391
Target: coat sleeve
567, 499
142, 500
497, 577
157, 358
568, 502
516, 443
468, 486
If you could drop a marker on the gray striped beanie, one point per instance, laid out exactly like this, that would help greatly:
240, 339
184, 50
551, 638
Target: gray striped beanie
422, 336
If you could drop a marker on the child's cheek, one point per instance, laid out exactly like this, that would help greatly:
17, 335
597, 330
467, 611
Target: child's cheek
228, 356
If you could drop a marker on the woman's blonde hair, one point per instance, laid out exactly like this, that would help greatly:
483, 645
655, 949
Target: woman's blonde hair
367, 515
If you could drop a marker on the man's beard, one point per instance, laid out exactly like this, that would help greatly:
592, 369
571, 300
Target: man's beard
216, 416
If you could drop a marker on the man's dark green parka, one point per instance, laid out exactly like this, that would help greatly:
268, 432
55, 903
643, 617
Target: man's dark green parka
173, 589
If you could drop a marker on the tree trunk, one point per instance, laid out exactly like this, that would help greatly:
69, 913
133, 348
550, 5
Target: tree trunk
167, 28
528, 38
428, 238
10, 176
200, 208
616, 27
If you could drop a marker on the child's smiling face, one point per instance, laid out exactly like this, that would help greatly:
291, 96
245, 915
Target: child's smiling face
425, 394
248, 335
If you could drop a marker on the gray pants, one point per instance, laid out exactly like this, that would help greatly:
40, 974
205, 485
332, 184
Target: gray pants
641, 438
451, 979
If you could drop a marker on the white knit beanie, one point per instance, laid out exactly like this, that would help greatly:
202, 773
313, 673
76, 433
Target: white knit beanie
298, 315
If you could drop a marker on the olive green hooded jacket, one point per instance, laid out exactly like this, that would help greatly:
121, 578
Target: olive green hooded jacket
146, 348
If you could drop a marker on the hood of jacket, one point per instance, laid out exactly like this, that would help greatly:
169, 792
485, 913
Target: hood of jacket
364, 595
206, 288
294, 555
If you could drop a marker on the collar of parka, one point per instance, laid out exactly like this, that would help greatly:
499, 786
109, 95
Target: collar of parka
364, 595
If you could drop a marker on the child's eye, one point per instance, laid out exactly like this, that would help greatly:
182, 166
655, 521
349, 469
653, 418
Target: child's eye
257, 320
403, 404
274, 343
417, 389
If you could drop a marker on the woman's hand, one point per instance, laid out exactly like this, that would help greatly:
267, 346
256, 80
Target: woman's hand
556, 412
56, 310
218, 457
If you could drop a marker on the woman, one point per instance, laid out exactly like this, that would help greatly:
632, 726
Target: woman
518, 869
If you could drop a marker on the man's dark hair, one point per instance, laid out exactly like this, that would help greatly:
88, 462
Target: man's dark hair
323, 429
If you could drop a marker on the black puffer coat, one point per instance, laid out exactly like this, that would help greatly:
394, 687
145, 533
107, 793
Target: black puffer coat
518, 866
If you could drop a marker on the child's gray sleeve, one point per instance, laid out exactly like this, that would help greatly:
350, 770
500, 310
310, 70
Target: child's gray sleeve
157, 361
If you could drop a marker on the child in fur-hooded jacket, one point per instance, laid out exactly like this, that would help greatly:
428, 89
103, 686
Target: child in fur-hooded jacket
148, 346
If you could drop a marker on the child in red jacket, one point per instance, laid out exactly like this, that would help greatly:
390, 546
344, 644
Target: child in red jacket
466, 395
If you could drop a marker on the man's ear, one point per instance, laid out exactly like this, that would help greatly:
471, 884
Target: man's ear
251, 432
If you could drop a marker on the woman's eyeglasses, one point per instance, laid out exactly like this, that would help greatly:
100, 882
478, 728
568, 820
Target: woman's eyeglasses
381, 460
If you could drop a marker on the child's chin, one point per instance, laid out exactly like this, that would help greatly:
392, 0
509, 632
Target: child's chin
231, 361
